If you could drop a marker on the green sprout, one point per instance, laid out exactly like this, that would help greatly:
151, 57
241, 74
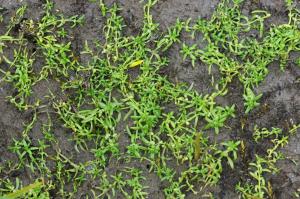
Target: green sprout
190, 52
250, 100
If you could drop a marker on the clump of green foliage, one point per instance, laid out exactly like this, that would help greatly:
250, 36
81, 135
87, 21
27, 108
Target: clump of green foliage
260, 187
104, 106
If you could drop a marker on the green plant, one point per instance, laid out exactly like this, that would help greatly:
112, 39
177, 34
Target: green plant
231, 149
190, 52
250, 100
16, 18
135, 184
263, 165
265, 133
21, 77
31, 191
217, 116
259, 167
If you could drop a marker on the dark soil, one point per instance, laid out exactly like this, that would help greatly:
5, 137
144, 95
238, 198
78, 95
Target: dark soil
280, 103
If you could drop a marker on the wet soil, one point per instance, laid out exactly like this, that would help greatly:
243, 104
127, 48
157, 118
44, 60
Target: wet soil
281, 93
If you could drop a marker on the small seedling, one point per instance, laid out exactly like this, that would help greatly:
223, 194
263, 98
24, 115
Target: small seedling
251, 100
190, 52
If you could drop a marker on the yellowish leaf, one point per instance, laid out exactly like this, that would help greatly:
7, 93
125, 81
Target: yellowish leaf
136, 63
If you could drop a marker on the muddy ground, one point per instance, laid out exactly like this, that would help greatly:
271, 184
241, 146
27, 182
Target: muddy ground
281, 92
